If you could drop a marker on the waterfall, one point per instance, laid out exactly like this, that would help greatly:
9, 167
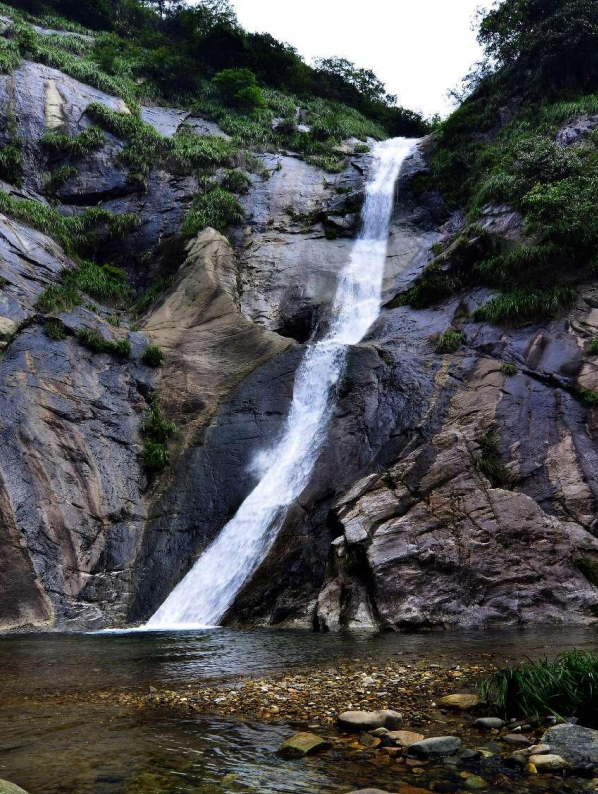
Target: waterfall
208, 590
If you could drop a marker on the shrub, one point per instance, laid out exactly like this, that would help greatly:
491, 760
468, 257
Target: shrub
235, 181
55, 330
565, 687
450, 342
153, 356
489, 463
593, 347
239, 88
156, 430
588, 397
105, 282
55, 299
59, 178
80, 145
11, 163
525, 305
10, 56
94, 341
218, 208
509, 369
362, 148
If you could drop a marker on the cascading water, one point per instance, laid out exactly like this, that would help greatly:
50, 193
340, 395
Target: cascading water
205, 594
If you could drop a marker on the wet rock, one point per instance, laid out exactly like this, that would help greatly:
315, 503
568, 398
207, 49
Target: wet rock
549, 763
404, 738
517, 739
436, 747
370, 720
488, 723
369, 740
462, 702
302, 744
577, 745
473, 782
10, 788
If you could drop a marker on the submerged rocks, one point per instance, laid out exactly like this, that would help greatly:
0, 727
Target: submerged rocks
435, 747
370, 720
549, 763
302, 744
403, 738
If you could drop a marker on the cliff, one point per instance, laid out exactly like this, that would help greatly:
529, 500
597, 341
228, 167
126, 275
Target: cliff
458, 484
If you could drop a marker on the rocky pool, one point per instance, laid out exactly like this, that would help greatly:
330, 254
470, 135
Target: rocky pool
115, 713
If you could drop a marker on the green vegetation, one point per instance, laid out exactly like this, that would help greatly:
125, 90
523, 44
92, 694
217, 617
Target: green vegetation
216, 208
104, 282
489, 463
450, 342
55, 330
588, 397
509, 369
593, 347
94, 341
151, 294
11, 163
239, 88
525, 304
153, 356
235, 181
55, 299
80, 145
564, 687
495, 149
78, 233
59, 178
156, 430
588, 566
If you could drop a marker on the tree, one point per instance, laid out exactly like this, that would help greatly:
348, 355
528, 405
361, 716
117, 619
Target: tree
364, 81
239, 87
556, 39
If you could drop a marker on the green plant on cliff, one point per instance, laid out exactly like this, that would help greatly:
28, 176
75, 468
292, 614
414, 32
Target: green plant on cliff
489, 461
95, 342
156, 430
153, 356
79, 145
216, 208
450, 342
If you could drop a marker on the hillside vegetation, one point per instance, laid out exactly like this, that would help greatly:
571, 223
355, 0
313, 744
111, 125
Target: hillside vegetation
502, 147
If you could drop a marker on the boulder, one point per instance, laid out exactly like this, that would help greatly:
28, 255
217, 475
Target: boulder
370, 720
435, 747
462, 702
302, 744
576, 745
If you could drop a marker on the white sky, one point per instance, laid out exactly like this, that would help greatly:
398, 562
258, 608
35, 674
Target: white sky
419, 48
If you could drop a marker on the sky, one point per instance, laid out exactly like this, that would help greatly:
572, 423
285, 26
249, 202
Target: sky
419, 48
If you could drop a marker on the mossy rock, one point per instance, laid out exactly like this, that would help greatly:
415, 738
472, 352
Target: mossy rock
10, 788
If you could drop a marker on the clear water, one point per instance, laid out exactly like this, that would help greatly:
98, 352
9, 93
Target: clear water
49, 747
207, 591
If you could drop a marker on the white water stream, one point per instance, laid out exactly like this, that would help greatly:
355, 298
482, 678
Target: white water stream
208, 590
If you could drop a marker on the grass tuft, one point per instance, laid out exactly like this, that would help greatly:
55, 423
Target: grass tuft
450, 342
92, 340
153, 356
156, 430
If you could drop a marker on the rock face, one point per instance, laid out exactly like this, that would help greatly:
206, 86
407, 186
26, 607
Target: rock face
450, 491
576, 745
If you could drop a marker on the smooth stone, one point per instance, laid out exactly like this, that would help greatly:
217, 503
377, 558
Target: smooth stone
369, 740
302, 744
517, 739
370, 720
488, 723
10, 788
404, 738
463, 702
474, 782
380, 732
436, 747
577, 745
549, 763
470, 755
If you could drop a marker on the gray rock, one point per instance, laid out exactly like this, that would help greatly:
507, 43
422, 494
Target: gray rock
549, 763
435, 747
577, 745
488, 723
302, 744
517, 739
370, 720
